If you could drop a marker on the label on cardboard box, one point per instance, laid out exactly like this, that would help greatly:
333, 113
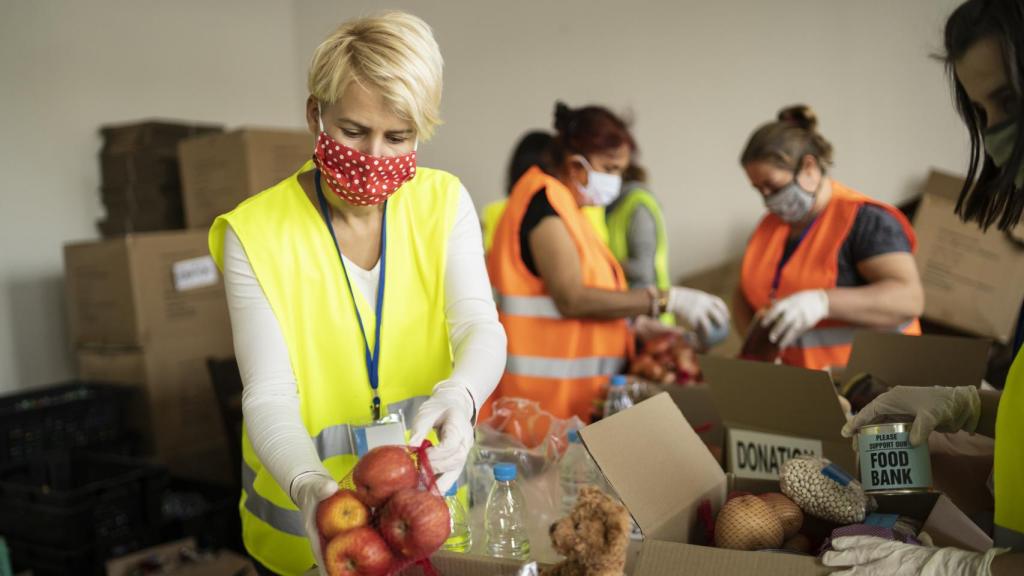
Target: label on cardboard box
760, 456
194, 273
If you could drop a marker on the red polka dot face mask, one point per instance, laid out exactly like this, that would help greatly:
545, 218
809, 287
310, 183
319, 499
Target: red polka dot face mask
361, 179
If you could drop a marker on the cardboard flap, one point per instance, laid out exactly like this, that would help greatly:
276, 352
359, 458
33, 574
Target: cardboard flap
943, 185
658, 465
772, 398
901, 360
669, 559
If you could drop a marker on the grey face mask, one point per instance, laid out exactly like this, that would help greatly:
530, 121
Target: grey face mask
999, 141
791, 203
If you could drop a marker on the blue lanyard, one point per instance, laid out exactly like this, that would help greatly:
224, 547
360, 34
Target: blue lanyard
785, 258
372, 358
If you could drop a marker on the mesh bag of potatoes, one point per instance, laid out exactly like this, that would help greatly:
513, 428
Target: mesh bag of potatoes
823, 490
763, 522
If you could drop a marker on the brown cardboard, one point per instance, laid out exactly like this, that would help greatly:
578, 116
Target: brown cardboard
220, 170
927, 360
972, 280
222, 563
176, 414
124, 292
456, 564
150, 135
659, 558
654, 435
698, 407
783, 400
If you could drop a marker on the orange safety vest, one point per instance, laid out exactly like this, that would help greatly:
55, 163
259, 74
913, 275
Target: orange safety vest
813, 265
562, 363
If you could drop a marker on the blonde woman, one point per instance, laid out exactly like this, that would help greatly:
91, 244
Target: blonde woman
358, 293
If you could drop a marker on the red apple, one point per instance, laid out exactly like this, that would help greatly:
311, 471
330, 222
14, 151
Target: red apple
383, 471
358, 552
415, 523
342, 511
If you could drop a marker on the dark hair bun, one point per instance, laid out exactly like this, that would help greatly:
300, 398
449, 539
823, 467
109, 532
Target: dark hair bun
801, 115
563, 117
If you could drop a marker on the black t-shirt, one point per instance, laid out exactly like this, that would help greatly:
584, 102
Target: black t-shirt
540, 207
874, 232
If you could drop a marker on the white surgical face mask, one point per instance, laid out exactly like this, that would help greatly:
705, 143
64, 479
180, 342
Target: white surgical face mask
791, 203
602, 188
999, 142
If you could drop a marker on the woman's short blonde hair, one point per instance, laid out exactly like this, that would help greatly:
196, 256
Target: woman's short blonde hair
394, 54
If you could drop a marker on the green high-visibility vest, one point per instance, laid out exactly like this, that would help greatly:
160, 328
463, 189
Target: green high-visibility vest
619, 219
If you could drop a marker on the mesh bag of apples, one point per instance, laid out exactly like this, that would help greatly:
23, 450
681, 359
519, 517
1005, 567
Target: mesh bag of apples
386, 515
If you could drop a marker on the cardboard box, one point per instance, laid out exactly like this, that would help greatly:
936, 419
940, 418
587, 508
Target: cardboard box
176, 413
150, 135
771, 412
973, 280
653, 435
927, 360
170, 557
144, 288
221, 170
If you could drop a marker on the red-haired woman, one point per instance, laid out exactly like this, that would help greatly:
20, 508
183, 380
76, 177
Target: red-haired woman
562, 296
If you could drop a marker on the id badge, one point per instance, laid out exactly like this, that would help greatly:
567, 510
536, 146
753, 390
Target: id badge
388, 431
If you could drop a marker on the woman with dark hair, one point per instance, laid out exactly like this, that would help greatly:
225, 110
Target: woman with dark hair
532, 150
985, 60
562, 296
825, 259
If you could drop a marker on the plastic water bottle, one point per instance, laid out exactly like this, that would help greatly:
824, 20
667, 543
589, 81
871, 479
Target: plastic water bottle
618, 397
460, 539
505, 516
575, 471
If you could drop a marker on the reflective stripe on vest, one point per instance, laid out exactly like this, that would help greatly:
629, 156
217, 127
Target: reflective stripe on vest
330, 442
529, 306
835, 336
563, 368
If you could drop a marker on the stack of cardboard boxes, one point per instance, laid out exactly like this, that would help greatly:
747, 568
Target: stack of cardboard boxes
149, 309
141, 187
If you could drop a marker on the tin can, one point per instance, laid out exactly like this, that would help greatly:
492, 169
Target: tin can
888, 463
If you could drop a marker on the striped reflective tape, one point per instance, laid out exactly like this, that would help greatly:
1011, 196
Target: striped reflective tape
529, 306
331, 441
564, 368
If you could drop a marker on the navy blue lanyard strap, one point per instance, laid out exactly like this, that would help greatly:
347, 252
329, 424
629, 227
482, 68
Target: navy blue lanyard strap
785, 258
372, 358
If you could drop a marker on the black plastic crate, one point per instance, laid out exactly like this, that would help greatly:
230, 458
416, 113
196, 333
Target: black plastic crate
55, 561
205, 512
75, 500
64, 416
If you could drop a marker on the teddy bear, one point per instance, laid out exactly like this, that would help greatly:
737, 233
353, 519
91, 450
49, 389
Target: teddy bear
593, 538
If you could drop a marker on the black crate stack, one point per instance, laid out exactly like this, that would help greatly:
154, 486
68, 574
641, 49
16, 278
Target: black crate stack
70, 497
141, 186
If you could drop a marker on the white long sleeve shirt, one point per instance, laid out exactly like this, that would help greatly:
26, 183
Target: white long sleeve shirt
270, 401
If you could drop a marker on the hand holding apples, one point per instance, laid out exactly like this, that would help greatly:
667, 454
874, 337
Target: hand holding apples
308, 491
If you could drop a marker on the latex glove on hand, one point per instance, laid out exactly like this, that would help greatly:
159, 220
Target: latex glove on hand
451, 410
648, 328
934, 408
701, 311
872, 556
794, 315
308, 491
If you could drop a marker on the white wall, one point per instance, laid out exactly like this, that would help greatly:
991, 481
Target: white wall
67, 67
697, 76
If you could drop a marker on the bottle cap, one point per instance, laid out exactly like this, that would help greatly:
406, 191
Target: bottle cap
452, 491
504, 471
618, 380
574, 436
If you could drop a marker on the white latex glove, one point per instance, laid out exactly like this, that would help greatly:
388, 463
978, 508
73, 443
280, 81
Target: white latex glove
873, 556
308, 491
700, 310
934, 408
648, 328
450, 409
795, 314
